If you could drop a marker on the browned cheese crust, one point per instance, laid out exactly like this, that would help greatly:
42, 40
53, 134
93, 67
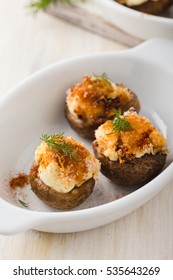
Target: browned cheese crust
57, 199
153, 7
134, 172
86, 127
97, 104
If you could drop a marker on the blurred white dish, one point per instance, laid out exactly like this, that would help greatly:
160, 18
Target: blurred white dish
36, 106
136, 23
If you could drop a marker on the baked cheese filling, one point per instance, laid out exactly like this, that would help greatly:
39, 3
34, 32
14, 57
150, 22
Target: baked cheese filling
92, 98
62, 172
143, 138
132, 3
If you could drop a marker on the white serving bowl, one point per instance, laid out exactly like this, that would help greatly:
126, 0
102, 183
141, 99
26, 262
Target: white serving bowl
136, 23
36, 106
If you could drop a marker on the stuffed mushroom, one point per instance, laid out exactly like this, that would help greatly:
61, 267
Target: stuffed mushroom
64, 172
147, 6
91, 102
131, 150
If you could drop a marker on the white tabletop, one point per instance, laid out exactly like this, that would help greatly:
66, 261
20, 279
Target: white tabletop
28, 44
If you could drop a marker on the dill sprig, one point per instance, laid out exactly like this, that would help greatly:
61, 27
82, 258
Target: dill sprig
40, 5
120, 122
56, 144
23, 203
105, 77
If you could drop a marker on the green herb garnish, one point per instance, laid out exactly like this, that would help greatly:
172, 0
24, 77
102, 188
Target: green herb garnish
105, 77
120, 122
40, 5
23, 203
56, 144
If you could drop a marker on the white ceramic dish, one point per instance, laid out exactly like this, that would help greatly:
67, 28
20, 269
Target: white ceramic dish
36, 106
136, 23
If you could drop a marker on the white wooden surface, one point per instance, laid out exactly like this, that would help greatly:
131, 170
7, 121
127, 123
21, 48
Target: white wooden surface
27, 44
92, 18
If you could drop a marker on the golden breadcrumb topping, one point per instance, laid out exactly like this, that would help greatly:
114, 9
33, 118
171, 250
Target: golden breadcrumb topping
63, 172
96, 97
142, 138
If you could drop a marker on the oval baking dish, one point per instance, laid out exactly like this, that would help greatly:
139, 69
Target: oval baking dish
36, 106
